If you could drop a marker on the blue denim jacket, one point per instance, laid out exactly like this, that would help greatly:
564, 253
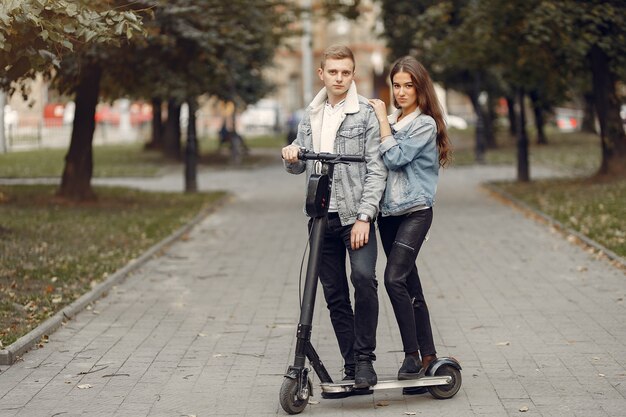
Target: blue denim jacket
358, 186
412, 158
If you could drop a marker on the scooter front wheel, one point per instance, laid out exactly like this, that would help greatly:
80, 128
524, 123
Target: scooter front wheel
289, 399
443, 392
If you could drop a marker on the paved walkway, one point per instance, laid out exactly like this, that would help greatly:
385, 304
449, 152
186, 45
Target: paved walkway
208, 328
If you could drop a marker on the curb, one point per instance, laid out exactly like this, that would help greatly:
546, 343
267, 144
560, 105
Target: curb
15, 350
577, 237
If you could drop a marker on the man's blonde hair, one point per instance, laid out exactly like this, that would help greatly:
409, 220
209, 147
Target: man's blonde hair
337, 52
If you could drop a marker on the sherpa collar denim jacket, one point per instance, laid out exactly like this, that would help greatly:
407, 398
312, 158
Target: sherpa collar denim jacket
358, 186
412, 158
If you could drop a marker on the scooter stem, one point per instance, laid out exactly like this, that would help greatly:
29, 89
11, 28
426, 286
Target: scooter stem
310, 289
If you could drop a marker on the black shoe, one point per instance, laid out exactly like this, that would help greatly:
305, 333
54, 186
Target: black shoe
414, 390
365, 376
410, 368
348, 372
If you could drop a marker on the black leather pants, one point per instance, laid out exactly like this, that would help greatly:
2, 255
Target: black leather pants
402, 237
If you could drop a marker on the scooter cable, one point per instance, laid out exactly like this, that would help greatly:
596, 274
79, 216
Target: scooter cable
306, 247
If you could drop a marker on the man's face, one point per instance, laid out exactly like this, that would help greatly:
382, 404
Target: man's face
337, 76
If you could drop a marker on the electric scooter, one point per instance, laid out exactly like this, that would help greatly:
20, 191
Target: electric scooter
443, 376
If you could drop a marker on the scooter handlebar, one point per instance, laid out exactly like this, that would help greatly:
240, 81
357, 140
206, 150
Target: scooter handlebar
307, 155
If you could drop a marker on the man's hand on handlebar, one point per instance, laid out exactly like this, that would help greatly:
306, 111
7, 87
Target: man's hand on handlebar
290, 153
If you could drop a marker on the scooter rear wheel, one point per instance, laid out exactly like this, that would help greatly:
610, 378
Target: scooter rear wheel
289, 399
443, 392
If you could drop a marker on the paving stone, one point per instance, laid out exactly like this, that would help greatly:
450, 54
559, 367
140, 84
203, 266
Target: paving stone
208, 327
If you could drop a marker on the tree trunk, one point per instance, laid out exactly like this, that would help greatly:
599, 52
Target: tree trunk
607, 108
480, 146
76, 181
490, 117
191, 150
523, 169
589, 115
538, 110
171, 134
510, 103
3, 143
156, 141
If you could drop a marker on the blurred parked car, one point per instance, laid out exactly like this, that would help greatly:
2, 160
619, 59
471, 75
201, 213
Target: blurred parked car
456, 122
262, 117
568, 120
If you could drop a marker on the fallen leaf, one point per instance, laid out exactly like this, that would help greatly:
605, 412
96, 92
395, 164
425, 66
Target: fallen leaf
382, 403
84, 386
503, 343
57, 300
523, 409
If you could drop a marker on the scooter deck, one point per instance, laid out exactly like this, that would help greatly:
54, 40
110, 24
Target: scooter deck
427, 381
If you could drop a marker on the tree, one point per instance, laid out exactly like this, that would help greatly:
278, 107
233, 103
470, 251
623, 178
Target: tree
537, 48
431, 31
36, 34
202, 47
192, 47
601, 32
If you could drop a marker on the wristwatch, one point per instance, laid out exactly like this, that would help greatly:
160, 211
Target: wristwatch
363, 217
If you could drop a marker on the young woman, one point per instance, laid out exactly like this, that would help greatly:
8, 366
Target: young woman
414, 144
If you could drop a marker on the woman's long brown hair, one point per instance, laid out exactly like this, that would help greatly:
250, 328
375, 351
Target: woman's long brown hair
427, 101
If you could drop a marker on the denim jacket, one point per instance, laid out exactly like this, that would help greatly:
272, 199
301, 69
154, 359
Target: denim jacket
358, 186
412, 158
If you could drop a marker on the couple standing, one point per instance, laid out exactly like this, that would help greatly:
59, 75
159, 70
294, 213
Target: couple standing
403, 153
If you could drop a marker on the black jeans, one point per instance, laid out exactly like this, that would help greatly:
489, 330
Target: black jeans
355, 331
402, 237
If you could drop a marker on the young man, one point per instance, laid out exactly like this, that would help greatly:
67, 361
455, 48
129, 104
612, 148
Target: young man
338, 120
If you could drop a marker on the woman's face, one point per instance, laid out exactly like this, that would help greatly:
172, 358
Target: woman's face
404, 92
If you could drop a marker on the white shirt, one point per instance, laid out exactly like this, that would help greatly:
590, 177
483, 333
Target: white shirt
331, 120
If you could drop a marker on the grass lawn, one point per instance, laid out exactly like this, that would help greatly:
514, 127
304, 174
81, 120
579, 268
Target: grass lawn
573, 153
51, 252
597, 209
592, 206
109, 161
130, 160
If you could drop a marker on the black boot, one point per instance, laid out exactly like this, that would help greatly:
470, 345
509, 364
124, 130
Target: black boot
365, 375
348, 374
410, 368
